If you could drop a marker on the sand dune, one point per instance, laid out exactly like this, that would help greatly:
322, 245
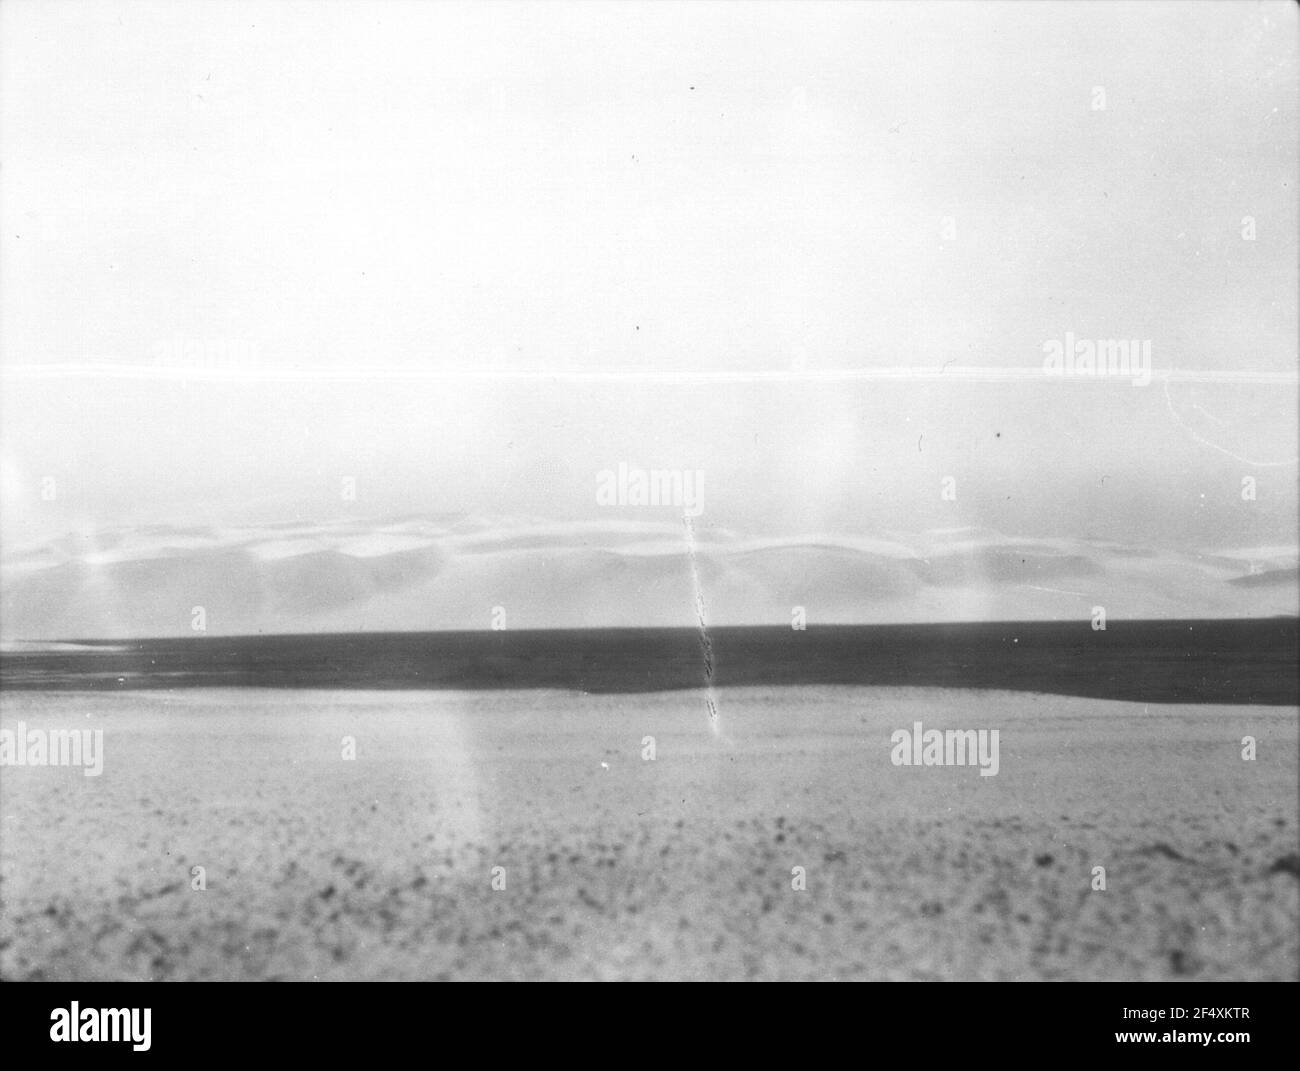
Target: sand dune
448, 573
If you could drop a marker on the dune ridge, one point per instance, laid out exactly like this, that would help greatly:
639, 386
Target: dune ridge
441, 573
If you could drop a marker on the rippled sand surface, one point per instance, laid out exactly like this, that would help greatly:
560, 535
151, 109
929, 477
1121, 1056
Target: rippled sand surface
616, 866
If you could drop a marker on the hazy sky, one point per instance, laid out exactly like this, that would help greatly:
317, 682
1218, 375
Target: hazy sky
411, 216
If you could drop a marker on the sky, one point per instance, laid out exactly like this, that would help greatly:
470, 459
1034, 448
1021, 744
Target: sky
469, 257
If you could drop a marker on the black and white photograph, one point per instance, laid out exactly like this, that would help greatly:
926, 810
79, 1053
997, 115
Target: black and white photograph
648, 491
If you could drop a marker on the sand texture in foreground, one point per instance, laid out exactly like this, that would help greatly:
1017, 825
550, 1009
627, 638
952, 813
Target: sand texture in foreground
616, 867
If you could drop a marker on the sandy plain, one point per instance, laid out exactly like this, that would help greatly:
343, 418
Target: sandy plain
621, 866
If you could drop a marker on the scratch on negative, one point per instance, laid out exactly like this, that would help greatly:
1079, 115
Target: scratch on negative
706, 643
1215, 446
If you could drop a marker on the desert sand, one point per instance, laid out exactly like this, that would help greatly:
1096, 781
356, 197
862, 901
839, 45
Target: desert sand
616, 866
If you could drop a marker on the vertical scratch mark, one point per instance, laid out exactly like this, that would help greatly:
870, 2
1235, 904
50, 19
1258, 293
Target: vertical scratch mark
706, 644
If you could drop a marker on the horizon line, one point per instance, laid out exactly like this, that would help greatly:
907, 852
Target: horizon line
689, 629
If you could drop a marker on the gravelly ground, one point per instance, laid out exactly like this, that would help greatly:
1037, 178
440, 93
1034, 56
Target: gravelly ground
617, 867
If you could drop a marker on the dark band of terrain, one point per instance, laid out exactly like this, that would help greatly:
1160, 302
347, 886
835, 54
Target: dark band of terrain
1228, 661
